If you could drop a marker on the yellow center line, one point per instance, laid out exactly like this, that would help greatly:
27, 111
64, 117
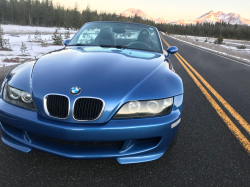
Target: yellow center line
230, 109
237, 133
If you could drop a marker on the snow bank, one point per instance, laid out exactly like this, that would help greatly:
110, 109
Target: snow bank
216, 51
18, 29
18, 34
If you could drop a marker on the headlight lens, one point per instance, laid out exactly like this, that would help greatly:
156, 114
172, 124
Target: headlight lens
18, 97
143, 109
26, 97
134, 106
14, 93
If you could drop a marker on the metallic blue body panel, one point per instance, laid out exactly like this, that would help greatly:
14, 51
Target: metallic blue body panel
130, 77
21, 127
123, 75
114, 75
20, 77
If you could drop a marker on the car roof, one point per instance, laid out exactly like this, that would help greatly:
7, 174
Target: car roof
121, 22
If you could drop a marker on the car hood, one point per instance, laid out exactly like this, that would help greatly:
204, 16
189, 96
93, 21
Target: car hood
103, 73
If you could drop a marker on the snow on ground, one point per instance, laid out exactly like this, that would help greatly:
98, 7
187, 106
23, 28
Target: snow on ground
19, 29
228, 44
18, 34
229, 47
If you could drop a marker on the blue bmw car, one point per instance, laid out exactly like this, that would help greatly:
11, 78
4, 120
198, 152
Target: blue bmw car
110, 93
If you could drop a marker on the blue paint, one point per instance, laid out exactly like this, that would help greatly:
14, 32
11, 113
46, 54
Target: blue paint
66, 42
171, 50
114, 75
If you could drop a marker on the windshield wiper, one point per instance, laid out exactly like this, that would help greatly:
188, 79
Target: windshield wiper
114, 46
140, 49
77, 45
124, 47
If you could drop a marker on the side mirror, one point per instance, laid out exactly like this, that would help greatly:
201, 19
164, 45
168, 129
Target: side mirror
66, 42
171, 50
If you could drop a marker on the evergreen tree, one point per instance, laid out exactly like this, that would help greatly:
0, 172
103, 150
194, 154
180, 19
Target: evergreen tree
67, 34
219, 40
23, 48
241, 46
57, 37
75, 19
4, 43
44, 43
1, 38
46, 13
29, 38
37, 37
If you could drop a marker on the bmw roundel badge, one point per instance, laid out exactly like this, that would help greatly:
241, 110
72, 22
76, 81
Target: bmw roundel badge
75, 91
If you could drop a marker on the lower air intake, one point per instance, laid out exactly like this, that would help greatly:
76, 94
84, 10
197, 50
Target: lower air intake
83, 143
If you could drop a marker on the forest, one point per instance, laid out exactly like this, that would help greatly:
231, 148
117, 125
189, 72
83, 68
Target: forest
239, 32
47, 13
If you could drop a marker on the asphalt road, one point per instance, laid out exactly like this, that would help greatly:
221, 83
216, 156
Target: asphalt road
206, 154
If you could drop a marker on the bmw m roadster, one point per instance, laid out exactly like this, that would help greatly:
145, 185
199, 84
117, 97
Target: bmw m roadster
111, 92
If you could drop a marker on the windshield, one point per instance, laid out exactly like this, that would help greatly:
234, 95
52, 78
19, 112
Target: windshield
120, 35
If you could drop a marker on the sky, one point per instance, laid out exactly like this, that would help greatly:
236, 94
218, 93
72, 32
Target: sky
169, 10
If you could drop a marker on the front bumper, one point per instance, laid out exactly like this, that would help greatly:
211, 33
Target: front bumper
143, 139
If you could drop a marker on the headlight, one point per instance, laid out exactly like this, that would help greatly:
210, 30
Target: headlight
18, 97
143, 109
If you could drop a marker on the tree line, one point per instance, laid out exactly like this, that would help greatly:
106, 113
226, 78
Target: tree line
46, 13
240, 32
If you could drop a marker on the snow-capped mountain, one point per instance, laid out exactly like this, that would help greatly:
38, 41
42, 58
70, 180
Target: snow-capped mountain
160, 20
212, 17
132, 12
